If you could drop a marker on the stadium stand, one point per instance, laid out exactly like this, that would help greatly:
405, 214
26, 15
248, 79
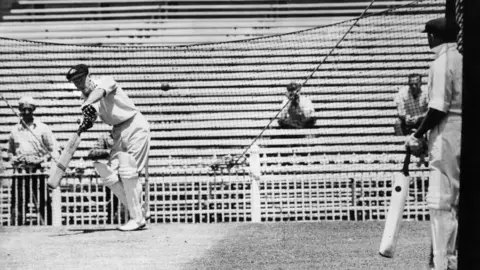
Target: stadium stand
223, 94
120, 22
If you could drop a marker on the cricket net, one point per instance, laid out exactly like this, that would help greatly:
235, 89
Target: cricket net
224, 98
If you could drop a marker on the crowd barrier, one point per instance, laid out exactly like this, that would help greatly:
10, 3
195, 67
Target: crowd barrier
210, 194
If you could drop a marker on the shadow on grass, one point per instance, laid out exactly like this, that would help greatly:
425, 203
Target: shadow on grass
84, 231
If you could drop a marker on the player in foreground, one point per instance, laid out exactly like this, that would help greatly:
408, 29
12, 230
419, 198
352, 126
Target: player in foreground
444, 121
131, 139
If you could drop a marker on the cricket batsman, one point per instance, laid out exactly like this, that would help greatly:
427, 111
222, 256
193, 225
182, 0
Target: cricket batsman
131, 139
444, 123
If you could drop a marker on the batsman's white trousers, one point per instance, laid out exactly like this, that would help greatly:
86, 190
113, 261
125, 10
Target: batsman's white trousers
443, 189
133, 137
444, 145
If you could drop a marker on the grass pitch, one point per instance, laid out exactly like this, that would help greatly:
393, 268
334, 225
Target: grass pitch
288, 245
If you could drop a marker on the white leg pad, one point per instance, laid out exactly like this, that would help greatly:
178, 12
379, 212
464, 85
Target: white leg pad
444, 228
111, 180
133, 188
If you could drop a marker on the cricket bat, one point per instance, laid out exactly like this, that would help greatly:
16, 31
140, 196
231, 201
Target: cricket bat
401, 182
57, 170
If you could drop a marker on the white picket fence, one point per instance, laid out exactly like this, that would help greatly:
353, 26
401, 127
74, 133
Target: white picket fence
203, 195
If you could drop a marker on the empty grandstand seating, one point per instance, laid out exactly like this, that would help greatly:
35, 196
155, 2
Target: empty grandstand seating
121, 22
223, 95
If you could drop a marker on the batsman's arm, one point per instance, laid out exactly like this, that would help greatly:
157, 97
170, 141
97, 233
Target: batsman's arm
95, 96
432, 119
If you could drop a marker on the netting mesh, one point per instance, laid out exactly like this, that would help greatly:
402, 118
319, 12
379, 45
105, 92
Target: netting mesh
236, 87
459, 21
225, 94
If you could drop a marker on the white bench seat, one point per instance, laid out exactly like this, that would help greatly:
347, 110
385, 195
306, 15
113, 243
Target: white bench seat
133, 24
97, 130
47, 117
208, 40
225, 54
191, 12
288, 42
120, 73
246, 82
220, 61
209, 5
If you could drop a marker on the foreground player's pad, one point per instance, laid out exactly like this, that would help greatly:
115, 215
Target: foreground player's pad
102, 169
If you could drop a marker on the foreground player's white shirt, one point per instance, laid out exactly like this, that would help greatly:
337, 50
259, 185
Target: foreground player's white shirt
116, 107
445, 94
445, 80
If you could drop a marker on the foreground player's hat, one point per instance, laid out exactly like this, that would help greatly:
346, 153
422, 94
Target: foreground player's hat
25, 101
440, 27
80, 69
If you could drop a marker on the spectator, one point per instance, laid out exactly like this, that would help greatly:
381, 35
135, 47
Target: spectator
31, 145
411, 106
299, 113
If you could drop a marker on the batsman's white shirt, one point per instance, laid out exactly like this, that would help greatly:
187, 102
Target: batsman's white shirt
131, 132
445, 94
116, 107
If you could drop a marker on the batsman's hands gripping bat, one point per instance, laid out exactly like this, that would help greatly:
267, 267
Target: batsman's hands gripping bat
417, 146
57, 171
89, 117
401, 182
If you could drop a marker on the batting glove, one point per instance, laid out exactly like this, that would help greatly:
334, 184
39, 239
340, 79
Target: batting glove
90, 112
418, 147
86, 124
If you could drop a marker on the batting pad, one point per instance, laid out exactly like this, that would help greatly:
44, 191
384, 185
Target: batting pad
106, 173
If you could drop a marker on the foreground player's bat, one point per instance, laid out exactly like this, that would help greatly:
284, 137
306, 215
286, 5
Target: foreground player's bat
401, 182
57, 170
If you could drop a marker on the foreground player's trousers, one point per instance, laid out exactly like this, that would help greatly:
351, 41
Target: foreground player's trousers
444, 183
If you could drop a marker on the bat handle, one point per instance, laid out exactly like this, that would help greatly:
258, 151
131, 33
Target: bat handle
79, 131
406, 162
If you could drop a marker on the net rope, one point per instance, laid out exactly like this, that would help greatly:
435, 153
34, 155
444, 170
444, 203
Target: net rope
365, 59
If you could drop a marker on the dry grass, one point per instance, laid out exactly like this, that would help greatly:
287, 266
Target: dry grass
308, 245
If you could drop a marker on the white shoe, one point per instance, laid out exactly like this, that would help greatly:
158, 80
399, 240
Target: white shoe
133, 225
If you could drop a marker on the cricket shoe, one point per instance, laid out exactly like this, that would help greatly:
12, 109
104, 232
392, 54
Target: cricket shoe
133, 225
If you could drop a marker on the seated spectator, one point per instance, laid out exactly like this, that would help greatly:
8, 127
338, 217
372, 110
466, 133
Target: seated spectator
31, 146
299, 112
412, 106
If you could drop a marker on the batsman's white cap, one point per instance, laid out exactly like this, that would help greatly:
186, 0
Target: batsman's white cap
27, 101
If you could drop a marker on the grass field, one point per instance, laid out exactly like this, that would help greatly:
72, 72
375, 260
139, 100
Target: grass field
290, 245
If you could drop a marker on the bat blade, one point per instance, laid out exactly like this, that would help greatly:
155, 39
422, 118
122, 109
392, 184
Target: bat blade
57, 171
401, 182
